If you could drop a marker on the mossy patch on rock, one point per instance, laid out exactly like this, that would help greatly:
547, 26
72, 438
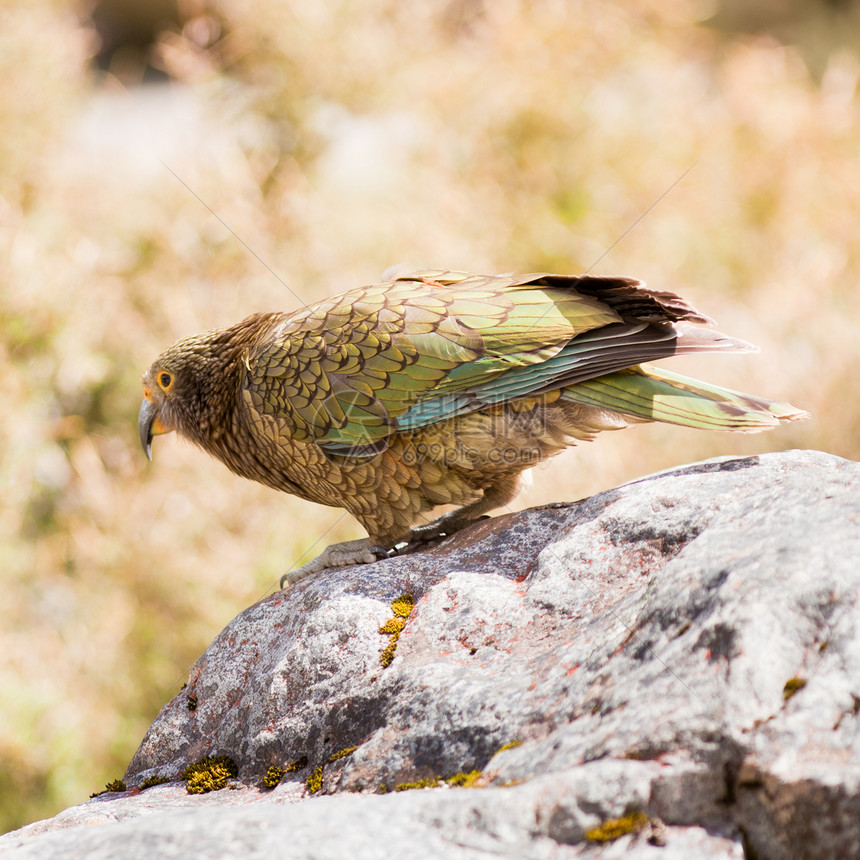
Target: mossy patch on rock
419, 783
464, 779
297, 765
208, 774
276, 773
150, 781
792, 686
615, 828
273, 776
115, 785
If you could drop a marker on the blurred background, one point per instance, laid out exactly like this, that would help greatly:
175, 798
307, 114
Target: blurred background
335, 139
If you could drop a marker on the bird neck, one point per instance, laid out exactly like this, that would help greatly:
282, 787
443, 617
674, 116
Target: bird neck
223, 363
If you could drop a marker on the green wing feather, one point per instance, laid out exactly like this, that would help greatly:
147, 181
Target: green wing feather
348, 372
342, 372
654, 394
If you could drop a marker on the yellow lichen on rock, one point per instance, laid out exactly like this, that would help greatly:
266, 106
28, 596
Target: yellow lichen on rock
401, 607
393, 625
792, 686
314, 781
342, 753
273, 776
464, 779
419, 783
615, 828
297, 765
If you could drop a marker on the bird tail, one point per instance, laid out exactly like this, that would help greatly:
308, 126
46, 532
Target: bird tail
647, 393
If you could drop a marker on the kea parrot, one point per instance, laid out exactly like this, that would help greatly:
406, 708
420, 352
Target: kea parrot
436, 388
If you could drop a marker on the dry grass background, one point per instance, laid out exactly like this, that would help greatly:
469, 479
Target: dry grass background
337, 138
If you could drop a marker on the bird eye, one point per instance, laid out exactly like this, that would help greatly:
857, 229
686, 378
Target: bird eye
165, 380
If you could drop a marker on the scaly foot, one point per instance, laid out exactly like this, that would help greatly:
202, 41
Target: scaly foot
337, 555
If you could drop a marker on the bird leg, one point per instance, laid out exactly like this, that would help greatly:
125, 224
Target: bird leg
365, 551
361, 551
444, 526
494, 497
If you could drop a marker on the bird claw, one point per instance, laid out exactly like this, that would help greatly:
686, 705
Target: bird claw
337, 555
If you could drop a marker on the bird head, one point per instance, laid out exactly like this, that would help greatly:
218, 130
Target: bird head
159, 406
193, 386
173, 392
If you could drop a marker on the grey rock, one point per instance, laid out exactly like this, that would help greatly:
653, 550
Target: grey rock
686, 647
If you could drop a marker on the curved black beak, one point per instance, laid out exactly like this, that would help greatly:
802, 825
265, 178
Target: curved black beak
148, 414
